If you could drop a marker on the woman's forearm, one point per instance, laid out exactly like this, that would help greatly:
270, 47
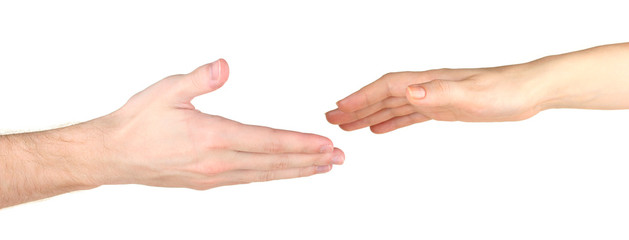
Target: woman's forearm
595, 78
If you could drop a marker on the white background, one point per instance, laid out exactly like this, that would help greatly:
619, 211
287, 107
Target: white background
563, 174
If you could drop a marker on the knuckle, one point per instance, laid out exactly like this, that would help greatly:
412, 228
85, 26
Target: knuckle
389, 82
242, 179
281, 162
390, 88
387, 76
266, 176
273, 145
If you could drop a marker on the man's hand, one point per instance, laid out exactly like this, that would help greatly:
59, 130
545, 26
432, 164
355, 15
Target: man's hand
159, 139
595, 78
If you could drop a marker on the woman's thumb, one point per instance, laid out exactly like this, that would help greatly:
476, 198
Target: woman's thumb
433, 93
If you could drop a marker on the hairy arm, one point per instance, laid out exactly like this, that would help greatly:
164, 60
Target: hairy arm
43, 164
158, 138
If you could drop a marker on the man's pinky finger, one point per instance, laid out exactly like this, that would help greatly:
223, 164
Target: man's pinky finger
248, 176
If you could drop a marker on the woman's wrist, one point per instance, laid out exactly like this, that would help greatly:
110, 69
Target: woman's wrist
555, 81
546, 77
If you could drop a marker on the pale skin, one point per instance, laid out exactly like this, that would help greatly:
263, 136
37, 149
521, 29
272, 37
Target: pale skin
595, 78
158, 138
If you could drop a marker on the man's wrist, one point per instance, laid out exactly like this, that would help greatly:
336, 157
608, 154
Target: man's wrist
79, 152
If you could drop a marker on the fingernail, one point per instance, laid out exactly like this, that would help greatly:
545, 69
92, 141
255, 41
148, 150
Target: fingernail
326, 149
324, 169
417, 92
215, 70
338, 159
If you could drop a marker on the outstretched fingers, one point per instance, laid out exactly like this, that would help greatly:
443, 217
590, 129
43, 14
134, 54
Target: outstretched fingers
398, 122
249, 176
339, 117
257, 139
378, 117
268, 162
379, 90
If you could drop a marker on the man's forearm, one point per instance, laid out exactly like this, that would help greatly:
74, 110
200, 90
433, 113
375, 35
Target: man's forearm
43, 164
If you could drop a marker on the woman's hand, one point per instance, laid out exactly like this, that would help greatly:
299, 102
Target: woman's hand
400, 99
596, 78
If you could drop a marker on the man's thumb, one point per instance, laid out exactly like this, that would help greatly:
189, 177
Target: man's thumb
202, 80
